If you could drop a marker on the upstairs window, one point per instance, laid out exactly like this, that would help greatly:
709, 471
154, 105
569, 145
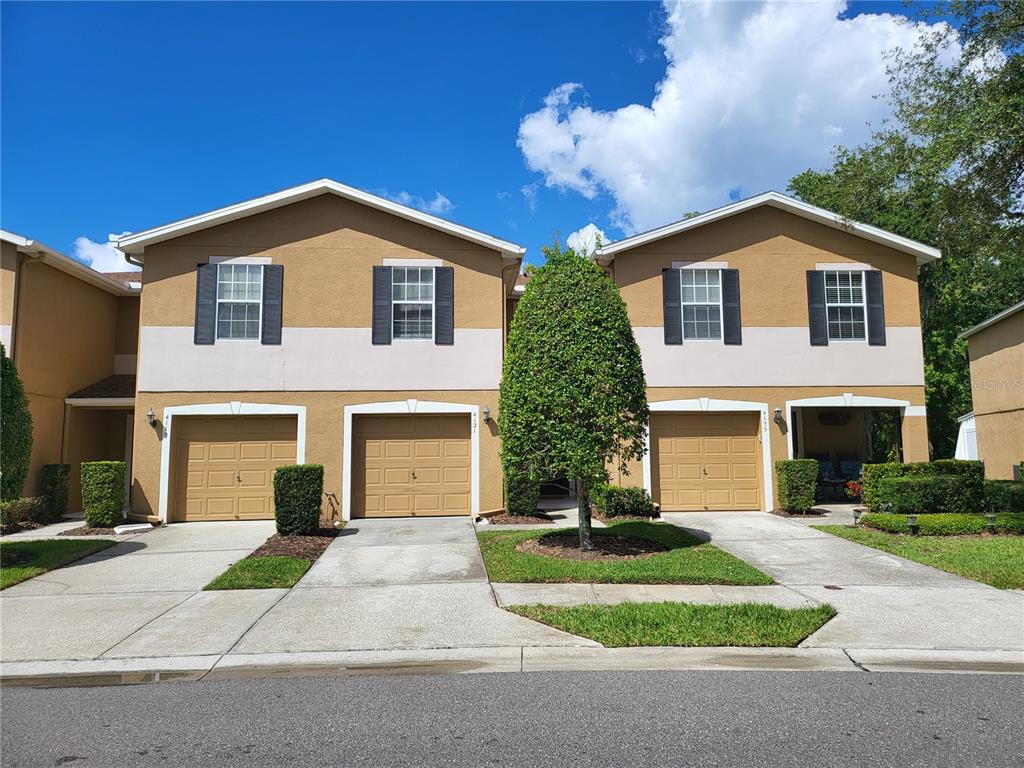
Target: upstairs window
701, 298
844, 302
239, 301
412, 302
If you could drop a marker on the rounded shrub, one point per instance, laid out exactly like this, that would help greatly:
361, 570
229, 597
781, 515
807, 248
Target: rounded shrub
798, 481
13, 513
53, 486
15, 430
103, 493
522, 493
298, 494
615, 501
1004, 496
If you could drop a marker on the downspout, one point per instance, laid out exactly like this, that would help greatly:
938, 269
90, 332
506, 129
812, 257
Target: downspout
22, 258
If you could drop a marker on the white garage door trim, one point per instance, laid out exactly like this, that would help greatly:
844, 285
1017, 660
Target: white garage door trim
409, 407
711, 405
233, 408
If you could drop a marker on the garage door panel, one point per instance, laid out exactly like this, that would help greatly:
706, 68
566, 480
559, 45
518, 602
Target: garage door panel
707, 461
223, 467
392, 448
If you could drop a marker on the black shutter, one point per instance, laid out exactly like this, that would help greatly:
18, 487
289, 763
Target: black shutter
817, 316
876, 308
206, 303
444, 305
732, 332
381, 305
673, 306
273, 289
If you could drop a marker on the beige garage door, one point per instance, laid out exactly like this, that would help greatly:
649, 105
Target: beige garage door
706, 461
411, 466
224, 466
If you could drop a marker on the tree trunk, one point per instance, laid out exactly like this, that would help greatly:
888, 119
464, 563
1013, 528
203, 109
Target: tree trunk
583, 497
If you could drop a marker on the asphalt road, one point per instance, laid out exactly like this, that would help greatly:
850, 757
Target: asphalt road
523, 720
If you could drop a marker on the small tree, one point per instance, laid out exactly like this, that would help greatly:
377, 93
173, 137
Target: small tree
573, 396
15, 430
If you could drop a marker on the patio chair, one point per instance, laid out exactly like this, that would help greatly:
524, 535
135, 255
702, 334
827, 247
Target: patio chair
827, 477
850, 466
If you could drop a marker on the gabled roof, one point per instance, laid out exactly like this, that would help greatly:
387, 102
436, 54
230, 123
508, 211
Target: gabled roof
924, 253
136, 243
993, 320
66, 264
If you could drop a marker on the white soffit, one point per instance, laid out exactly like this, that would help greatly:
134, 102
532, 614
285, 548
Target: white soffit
923, 253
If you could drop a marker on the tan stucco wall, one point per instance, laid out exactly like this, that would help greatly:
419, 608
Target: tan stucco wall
328, 247
8, 274
772, 250
92, 434
997, 388
845, 439
915, 433
324, 432
126, 339
66, 334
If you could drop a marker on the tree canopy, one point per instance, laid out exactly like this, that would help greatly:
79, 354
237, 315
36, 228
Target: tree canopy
573, 396
15, 430
947, 170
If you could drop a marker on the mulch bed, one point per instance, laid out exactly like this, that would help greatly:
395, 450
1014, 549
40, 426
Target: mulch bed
567, 546
812, 513
536, 517
308, 547
618, 518
85, 530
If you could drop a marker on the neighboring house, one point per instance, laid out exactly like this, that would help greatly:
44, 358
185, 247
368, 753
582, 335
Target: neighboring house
995, 348
771, 329
72, 333
326, 325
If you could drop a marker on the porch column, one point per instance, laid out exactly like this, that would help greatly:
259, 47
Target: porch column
915, 438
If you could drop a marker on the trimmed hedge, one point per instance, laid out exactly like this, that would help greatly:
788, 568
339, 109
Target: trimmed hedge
17, 511
970, 473
522, 493
15, 430
934, 494
298, 491
615, 501
53, 486
798, 482
103, 493
944, 524
1004, 496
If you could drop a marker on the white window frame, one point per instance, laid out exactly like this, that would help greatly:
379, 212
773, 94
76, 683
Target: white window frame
683, 304
863, 303
432, 303
216, 318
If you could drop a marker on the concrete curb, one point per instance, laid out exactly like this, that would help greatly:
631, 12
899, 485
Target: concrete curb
102, 672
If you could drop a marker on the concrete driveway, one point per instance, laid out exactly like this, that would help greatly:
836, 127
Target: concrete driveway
883, 601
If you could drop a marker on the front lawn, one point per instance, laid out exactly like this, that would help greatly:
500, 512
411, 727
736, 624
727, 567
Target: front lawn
994, 560
687, 561
21, 560
683, 624
262, 573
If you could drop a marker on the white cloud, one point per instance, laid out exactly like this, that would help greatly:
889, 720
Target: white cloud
438, 205
753, 94
103, 257
585, 239
529, 193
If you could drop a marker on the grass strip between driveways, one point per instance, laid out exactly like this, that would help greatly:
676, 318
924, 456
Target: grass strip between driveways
688, 561
994, 560
262, 573
683, 624
21, 560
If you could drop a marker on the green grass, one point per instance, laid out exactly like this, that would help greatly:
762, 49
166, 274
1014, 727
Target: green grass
262, 573
689, 561
21, 560
994, 560
683, 624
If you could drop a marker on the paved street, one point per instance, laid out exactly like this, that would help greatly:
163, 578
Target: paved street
595, 719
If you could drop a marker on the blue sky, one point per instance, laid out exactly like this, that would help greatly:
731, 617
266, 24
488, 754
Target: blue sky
123, 116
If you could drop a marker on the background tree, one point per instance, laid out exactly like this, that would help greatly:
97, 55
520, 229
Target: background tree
573, 396
15, 430
949, 171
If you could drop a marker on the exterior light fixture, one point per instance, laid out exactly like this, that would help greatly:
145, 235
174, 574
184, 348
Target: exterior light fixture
856, 515
151, 417
912, 524
778, 416
487, 413
990, 522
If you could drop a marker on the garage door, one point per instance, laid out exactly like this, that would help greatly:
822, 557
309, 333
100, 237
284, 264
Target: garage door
224, 466
706, 461
411, 466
